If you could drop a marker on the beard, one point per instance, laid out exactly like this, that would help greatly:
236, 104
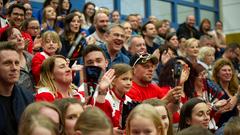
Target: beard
102, 29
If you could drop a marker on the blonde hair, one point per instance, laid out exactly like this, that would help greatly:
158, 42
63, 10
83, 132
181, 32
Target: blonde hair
188, 43
92, 120
145, 111
233, 84
46, 74
54, 36
203, 51
121, 69
29, 124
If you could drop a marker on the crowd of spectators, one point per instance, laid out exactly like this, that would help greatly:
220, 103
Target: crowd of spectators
71, 72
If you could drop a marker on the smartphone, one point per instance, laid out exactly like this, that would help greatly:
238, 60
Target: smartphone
177, 71
92, 75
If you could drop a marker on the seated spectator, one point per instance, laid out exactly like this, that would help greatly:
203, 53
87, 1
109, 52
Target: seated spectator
56, 80
115, 17
63, 9
206, 58
32, 27
142, 118
72, 32
28, 8
89, 13
223, 74
128, 33
115, 38
192, 50
36, 125
44, 108
92, 122
71, 110
194, 112
165, 115
172, 39
136, 45
26, 79
133, 20
205, 27
13, 98
149, 33
49, 20
195, 130
187, 30
111, 100
51, 45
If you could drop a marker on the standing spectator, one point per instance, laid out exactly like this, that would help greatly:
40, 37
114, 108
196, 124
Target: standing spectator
187, 30
149, 33
100, 23
13, 99
115, 38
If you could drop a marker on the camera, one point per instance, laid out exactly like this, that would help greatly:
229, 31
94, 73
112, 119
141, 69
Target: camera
177, 71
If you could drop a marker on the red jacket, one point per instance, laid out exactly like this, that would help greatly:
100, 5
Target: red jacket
36, 65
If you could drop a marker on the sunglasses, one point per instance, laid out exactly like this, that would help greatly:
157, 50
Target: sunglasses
145, 57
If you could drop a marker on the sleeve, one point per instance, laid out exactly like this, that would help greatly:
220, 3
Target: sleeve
106, 107
36, 67
44, 96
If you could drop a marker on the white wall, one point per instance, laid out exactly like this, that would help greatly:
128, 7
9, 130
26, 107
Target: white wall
230, 13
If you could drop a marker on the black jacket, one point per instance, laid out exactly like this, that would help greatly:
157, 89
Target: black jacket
185, 32
20, 99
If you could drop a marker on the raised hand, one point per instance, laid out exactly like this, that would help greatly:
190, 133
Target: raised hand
105, 81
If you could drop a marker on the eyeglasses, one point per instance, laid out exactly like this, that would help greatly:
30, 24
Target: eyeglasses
145, 57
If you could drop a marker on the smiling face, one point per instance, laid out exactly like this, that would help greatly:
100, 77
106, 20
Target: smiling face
17, 16
123, 83
9, 67
28, 8
225, 74
200, 115
193, 49
209, 58
142, 126
61, 72
16, 37
75, 24
66, 5
115, 39
72, 114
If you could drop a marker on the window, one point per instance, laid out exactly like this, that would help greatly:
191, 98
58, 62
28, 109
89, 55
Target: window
183, 12
207, 2
103, 3
160, 9
132, 6
207, 14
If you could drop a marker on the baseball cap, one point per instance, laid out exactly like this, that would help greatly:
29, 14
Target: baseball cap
142, 59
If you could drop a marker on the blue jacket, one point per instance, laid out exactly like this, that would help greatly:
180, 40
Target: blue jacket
20, 99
